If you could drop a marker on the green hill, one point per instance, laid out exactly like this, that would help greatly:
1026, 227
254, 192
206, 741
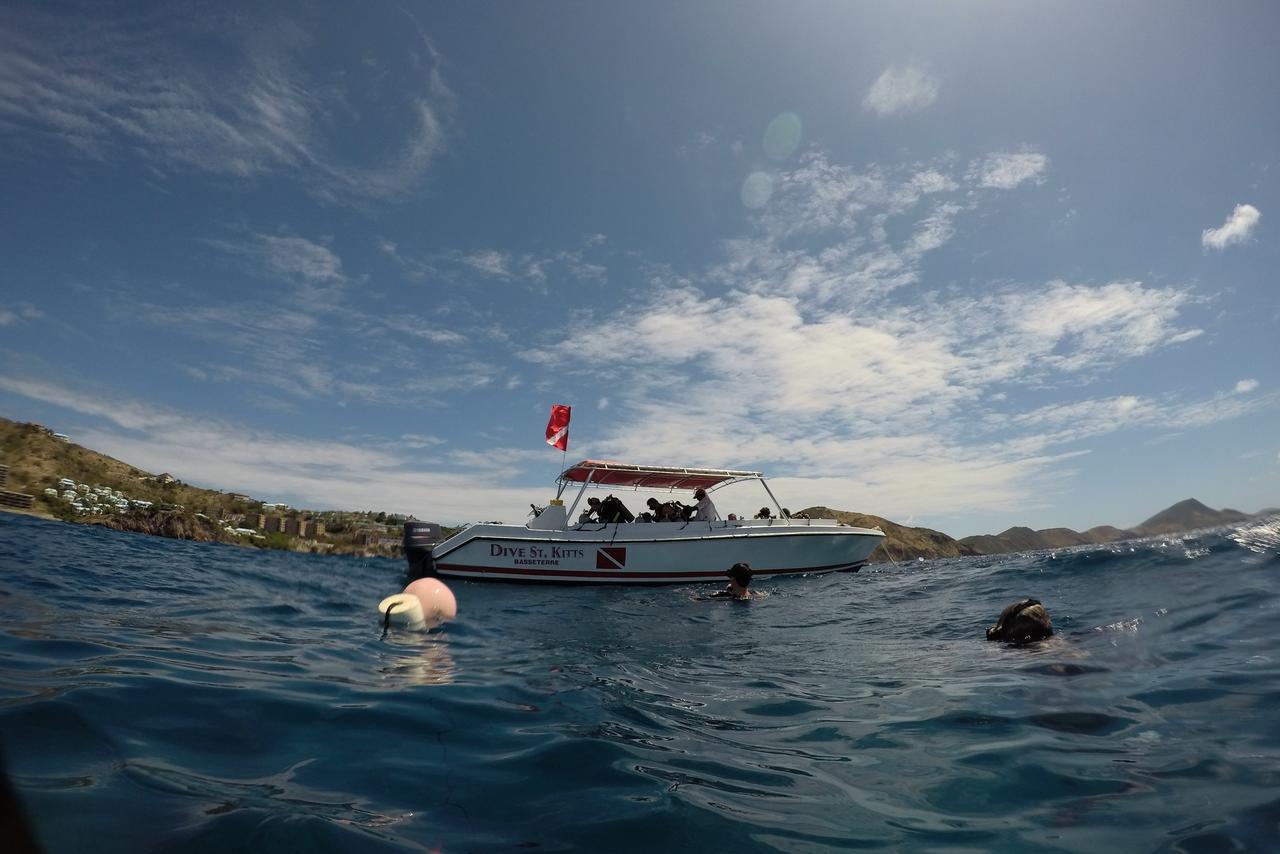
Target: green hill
900, 542
37, 460
1106, 534
1021, 539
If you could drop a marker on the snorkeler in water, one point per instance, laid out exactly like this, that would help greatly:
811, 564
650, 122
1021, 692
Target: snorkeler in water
1022, 623
739, 582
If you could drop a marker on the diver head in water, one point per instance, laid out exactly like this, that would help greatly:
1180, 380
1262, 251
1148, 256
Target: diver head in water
1022, 622
739, 582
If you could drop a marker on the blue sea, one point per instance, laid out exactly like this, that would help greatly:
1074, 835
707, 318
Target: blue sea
158, 695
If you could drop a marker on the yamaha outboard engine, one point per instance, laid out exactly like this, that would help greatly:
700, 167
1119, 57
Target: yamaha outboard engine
419, 537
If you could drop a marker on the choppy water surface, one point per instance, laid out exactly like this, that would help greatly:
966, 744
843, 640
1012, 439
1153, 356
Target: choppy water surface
159, 695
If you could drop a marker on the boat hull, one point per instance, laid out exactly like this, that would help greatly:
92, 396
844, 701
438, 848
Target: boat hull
652, 553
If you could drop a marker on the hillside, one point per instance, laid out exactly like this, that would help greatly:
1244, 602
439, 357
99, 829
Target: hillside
1019, 539
900, 542
1188, 515
37, 460
164, 506
1106, 534
1184, 516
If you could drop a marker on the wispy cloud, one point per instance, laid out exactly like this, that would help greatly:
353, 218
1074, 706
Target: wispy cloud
535, 269
489, 262
19, 312
101, 86
1239, 226
1245, 386
901, 90
1006, 170
286, 337
808, 347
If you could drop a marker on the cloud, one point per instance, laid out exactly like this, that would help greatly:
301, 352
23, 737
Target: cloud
1246, 386
602, 403
901, 90
285, 258
311, 336
237, 96
532, 268
1237, 228
1006, 170
810, 347
297, 256
20, 311
489, 262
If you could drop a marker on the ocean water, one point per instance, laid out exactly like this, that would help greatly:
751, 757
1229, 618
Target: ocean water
158, 695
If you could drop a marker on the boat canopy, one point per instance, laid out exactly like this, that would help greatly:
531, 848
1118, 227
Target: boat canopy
607, 473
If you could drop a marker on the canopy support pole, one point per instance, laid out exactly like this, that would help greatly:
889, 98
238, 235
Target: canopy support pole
765, 484
577, 498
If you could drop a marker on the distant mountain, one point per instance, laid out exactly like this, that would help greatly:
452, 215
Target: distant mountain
1106, 534
900, 542
1020, 539
1184, 516
1188, 515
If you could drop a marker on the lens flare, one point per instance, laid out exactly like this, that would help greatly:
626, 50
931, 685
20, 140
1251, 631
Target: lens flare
757, 189
782, 137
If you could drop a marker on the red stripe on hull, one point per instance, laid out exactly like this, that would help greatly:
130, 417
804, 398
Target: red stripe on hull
480, 573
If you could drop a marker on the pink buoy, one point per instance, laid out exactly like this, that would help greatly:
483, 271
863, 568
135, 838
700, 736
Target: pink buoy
437, 600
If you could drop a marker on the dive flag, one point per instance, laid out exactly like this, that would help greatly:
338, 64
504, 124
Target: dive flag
558, 427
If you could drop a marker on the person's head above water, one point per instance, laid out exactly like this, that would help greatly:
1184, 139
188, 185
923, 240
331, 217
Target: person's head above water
740, 573
1022, 622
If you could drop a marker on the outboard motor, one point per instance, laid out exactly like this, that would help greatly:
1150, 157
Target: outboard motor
419, 537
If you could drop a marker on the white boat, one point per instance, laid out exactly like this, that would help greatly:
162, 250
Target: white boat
550, 548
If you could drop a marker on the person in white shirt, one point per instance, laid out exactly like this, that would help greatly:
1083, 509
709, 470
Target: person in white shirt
706, 510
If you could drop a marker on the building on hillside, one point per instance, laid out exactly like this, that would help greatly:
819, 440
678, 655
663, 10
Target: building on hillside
4, 475
314, 529
294, 527
257, 521
238, 496
165, 478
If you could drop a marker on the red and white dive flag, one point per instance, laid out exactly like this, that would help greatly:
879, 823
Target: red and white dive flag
558, 427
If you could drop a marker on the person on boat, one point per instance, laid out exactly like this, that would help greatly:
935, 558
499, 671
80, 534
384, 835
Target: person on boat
613, 510
739, 582
764, 513
592, 513
1022, 623
664, 511
706, 511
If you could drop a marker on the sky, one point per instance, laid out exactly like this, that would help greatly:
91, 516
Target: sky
960, 265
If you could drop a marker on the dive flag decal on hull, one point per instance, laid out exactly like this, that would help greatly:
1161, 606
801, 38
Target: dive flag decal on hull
611, 558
